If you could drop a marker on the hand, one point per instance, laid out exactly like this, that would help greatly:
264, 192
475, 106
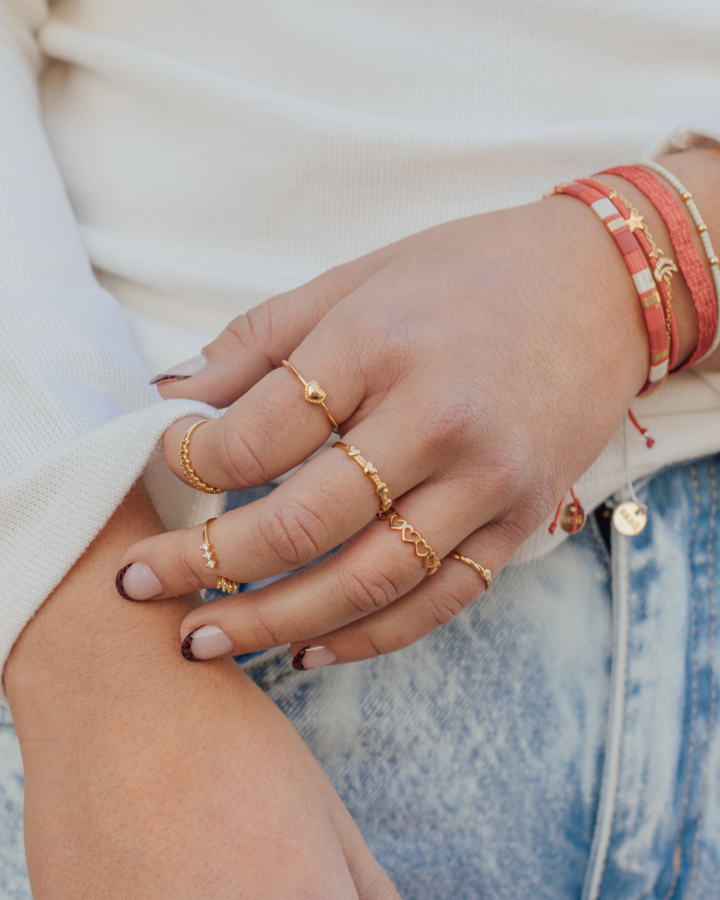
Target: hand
481, 366
147, 779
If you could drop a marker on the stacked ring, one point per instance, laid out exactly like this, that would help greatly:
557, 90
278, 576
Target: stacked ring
371, 472
226, 585
313, 394
423, 550
484, 573
187, 468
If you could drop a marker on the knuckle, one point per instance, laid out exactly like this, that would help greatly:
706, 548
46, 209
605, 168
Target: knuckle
189, 571
293, 532
253, 330
241, 456
446, 605
367, 591
454, 420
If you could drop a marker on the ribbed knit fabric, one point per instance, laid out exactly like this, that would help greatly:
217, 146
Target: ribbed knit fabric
176, 162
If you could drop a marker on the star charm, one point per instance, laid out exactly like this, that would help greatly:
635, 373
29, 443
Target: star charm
634, 222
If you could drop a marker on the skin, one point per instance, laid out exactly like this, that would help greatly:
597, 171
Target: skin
482, 366
148, 779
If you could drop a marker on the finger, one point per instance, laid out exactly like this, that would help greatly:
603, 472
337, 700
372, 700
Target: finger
311, 513
274, 427
371, 573
255, 343
434, 603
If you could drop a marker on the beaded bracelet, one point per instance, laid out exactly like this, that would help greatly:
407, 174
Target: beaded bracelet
663, 268
701, 227
689, 260
621, 231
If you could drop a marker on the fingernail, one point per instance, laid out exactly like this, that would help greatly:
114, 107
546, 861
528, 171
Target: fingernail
137, 581
182, 370
206, 642
313, 658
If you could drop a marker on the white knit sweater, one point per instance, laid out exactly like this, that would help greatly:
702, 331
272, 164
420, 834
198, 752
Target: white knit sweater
166, 164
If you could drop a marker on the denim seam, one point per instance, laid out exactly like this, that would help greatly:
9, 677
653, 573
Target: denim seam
615, 732
594, 531
677, 849
713, 684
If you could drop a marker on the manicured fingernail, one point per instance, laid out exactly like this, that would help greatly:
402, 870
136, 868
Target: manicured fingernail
137, 581
182, 370
206, 642
313, 658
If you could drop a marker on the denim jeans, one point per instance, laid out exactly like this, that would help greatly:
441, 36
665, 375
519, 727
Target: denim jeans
557, 740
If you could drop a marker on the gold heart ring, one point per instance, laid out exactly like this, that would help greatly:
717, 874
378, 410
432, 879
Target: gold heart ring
423, 550
313, 394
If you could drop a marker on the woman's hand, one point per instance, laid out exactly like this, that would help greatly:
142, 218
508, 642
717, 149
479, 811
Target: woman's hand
481, 366
149, 780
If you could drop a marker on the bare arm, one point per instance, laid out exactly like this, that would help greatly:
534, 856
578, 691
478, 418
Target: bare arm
150, 778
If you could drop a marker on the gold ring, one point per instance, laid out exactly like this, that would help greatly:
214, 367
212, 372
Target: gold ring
187, 468
423, 550
226, 585
484, 573
371, 472
313, 394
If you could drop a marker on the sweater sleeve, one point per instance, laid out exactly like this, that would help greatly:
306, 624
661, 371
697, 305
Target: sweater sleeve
79, 422
699, 130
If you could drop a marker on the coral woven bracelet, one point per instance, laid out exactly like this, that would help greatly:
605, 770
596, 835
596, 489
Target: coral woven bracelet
689, 260
621, 231
662, 267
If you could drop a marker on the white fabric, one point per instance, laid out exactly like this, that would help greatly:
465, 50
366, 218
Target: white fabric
215, 153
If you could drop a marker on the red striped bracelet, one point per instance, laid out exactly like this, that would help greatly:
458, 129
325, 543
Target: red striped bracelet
691, 265
662, 266
627, 243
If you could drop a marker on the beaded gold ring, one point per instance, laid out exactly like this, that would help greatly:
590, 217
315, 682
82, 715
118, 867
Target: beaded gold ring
187, 468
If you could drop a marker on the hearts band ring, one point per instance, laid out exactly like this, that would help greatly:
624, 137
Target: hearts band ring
484, 573
313, 394
226, 585
423, 550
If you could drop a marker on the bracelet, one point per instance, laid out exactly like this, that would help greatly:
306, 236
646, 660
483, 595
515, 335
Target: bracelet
704, 296
621, 231
663, 268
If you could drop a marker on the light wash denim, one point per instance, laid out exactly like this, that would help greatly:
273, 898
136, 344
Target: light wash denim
557, 741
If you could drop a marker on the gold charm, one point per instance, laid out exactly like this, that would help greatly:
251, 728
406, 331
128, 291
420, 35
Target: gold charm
664, 267
314, 393
572, 518
629, 519
635, 221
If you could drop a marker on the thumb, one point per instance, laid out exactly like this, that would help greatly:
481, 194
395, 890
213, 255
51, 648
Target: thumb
255, 343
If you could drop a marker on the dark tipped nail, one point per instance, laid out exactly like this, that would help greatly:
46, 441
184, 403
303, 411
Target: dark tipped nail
185, 369
162, 379
186, 648
137, 581
119, 582
313, 658
206, 642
